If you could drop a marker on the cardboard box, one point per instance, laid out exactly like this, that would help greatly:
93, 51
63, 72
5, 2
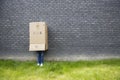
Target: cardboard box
38, 33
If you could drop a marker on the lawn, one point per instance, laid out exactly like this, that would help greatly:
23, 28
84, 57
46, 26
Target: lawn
60, 70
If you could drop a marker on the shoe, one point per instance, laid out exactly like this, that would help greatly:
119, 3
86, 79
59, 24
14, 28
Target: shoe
38, 64
41, 65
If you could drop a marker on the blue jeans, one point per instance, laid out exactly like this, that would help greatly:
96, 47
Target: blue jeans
40, 57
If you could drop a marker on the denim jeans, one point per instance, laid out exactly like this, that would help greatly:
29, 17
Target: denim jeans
40, 57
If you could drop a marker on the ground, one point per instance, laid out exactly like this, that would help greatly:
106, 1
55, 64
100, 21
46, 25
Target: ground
60, 70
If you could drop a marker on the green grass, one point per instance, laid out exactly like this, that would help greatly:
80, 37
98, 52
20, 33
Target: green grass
62, 70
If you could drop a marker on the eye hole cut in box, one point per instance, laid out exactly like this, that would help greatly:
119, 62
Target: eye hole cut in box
38, 36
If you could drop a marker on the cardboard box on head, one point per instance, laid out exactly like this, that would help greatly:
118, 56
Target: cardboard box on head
38, 33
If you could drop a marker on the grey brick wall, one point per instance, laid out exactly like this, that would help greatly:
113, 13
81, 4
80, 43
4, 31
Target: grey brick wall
78, 29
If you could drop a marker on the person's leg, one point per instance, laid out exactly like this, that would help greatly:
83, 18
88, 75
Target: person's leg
42, 58
39, 57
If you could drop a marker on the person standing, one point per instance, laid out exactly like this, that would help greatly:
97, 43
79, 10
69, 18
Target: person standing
38, 40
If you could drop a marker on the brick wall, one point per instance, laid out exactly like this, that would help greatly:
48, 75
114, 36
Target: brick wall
78, 29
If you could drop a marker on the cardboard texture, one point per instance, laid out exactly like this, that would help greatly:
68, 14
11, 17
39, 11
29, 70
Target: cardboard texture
38, 33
